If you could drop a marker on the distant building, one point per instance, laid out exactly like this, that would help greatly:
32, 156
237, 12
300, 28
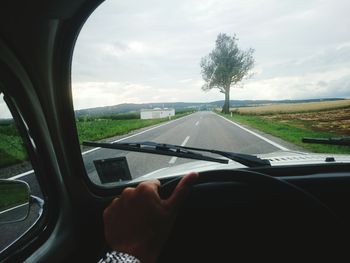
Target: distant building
157, 113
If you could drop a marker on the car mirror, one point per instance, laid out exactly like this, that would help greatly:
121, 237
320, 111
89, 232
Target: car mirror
14, 200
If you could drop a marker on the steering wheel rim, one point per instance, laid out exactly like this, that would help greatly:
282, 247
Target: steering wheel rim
248, 177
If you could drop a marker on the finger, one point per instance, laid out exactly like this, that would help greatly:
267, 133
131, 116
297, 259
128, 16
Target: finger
149, 187
151, 184
127, 193
110, 207
114, 201
182, 190
149, 190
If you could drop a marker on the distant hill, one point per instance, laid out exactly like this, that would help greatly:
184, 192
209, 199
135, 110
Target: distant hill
132, 107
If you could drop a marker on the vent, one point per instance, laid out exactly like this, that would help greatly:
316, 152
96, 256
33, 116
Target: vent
311, 158
298, 158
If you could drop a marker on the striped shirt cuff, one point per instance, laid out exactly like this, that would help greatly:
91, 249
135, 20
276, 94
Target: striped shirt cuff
118, 257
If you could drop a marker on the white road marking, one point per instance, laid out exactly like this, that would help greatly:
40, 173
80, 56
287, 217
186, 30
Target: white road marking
197, 123
21, 175
257, 135
174, 158
98, 148
185, 141
12, 208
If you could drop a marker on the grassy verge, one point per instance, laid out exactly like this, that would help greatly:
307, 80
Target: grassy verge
89, 128
291, 131
11, 145
104, 128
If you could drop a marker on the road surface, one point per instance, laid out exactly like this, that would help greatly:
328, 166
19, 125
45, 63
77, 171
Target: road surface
201, 129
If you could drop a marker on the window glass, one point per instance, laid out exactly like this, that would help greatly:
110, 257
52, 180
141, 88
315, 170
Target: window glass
252, 77
14, 165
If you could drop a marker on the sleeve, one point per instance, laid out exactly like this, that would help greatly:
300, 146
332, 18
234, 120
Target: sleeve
118, 257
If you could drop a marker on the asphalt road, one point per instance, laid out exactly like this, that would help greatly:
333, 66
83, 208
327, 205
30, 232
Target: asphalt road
201, 129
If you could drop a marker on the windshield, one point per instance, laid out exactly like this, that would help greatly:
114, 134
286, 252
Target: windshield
249, 77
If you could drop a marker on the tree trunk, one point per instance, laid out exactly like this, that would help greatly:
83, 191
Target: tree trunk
226, 107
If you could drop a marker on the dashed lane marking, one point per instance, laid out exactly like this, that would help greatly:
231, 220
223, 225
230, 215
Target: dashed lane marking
174, 158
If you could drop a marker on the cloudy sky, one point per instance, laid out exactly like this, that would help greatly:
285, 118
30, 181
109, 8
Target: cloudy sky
149, 51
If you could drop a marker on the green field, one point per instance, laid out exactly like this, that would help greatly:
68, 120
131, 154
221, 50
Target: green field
292, 131
89, 128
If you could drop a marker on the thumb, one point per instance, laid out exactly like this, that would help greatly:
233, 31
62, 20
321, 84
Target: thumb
182, 190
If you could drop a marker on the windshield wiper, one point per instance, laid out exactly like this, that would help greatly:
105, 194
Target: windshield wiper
345, 141
182, 152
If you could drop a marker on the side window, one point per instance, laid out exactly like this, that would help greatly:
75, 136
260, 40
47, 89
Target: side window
19, 210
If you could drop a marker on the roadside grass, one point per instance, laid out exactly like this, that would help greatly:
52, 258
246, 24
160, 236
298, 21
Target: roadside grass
11, 145
106, 127
121, 116
292, 131
89, 128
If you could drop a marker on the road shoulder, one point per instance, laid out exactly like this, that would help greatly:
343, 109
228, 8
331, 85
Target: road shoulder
288, 145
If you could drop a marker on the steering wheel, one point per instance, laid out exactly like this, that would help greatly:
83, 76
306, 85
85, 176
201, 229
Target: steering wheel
236, 211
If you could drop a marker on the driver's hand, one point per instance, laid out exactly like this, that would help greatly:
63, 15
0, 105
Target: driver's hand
139, 221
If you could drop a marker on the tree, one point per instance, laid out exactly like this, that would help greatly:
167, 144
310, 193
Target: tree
225, 66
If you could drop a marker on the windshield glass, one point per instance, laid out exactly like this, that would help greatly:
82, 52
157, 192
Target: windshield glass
251, 77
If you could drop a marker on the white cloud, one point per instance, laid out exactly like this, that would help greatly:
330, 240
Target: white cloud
185, 80
334, 83
118, 49
138, 47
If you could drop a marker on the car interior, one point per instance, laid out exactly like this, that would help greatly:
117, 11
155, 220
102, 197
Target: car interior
298, 212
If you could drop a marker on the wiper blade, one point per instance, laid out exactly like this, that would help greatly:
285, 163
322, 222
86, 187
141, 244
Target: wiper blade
183, 152
245, 159
345, 141
155, 148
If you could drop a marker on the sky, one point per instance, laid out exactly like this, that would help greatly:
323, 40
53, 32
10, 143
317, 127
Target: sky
150, 51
